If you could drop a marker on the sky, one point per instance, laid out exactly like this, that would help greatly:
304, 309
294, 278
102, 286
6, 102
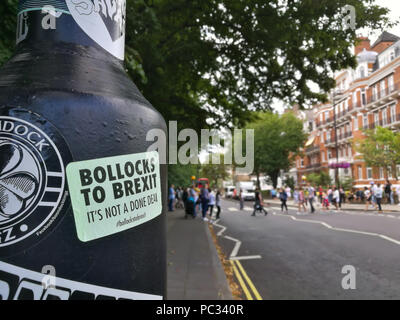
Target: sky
394, 6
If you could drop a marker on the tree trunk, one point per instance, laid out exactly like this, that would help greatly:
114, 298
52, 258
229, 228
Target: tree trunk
274, 177
258, 181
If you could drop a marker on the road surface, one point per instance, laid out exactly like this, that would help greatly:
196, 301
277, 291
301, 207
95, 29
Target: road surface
291, 256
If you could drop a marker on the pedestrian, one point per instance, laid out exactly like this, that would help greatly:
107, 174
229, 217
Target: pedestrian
311, 197
171, 198
398, 194
325, 201
336, 198
342, 197
211, 202
190, 205
258, 205
330, 195
288, 191
218, 203
179, 199
378, 197
320, 194
302, 200
296, 196
241, 199
373, 191
283, 197
204, 199
185, 196
273, 194
368, 198
388, 191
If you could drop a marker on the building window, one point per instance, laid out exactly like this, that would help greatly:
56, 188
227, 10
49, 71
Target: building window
393, 113
369, 173
363, 97
375, 92
391, 83
360, 173
355, 124
383, 88
376, 115
365, 121
384, 117
381, 173
389, 170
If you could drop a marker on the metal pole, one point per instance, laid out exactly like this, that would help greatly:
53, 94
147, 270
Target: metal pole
336, 140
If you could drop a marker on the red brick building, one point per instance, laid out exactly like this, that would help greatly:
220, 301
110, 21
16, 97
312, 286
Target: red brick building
369, 97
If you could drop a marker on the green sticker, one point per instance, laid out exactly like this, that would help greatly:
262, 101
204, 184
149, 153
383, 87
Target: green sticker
111, 195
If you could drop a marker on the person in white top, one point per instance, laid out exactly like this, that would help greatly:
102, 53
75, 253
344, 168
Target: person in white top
288, 192
336, 198
211, 202
398, 193
368, 196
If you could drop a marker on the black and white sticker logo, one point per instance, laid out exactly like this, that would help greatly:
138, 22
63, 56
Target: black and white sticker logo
32, 177
103, 21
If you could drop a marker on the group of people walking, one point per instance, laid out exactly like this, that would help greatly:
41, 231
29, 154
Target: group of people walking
195, 200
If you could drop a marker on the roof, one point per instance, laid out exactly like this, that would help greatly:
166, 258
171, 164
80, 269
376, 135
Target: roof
386, 37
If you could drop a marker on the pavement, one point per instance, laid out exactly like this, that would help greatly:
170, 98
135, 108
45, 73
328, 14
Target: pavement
194, 271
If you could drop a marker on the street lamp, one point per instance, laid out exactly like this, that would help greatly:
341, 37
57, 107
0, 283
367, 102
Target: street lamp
336, 96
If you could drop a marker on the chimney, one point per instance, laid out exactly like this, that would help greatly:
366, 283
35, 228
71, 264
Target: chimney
362, 43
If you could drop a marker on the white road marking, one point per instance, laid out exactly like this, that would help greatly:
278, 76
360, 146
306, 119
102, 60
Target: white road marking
246, 258
236, 248
238, 243
342, 229
233, 209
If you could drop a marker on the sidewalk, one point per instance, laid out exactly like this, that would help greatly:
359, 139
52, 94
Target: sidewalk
194, 268
345, 206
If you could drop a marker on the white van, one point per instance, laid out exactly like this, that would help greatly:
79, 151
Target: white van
248, 189
229, 191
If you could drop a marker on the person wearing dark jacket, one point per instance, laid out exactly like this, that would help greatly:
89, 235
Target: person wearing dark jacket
258, 205
283, 197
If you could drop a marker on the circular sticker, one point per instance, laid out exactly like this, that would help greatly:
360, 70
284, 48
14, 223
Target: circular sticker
33, 191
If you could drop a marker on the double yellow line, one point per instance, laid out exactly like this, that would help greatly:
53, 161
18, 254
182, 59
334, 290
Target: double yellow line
239, 271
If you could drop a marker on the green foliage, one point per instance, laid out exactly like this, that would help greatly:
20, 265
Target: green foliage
380, 148
346, 183
180, 175
277, 138
215, 173
8, 9
290, 182
319, 179
217, 59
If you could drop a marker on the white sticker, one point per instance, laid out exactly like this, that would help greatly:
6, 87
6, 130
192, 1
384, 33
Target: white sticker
111, 195
103, 21
31, 283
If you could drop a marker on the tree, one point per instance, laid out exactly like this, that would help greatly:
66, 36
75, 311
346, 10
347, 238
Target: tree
208, 62
320, 179
278, 138
215, 173
381, 149
181, 175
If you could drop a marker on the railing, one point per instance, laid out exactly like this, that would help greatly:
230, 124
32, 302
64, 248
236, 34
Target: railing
314, 149
384, 93
383, 123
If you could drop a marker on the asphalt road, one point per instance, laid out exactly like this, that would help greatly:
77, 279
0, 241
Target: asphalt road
290, 256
